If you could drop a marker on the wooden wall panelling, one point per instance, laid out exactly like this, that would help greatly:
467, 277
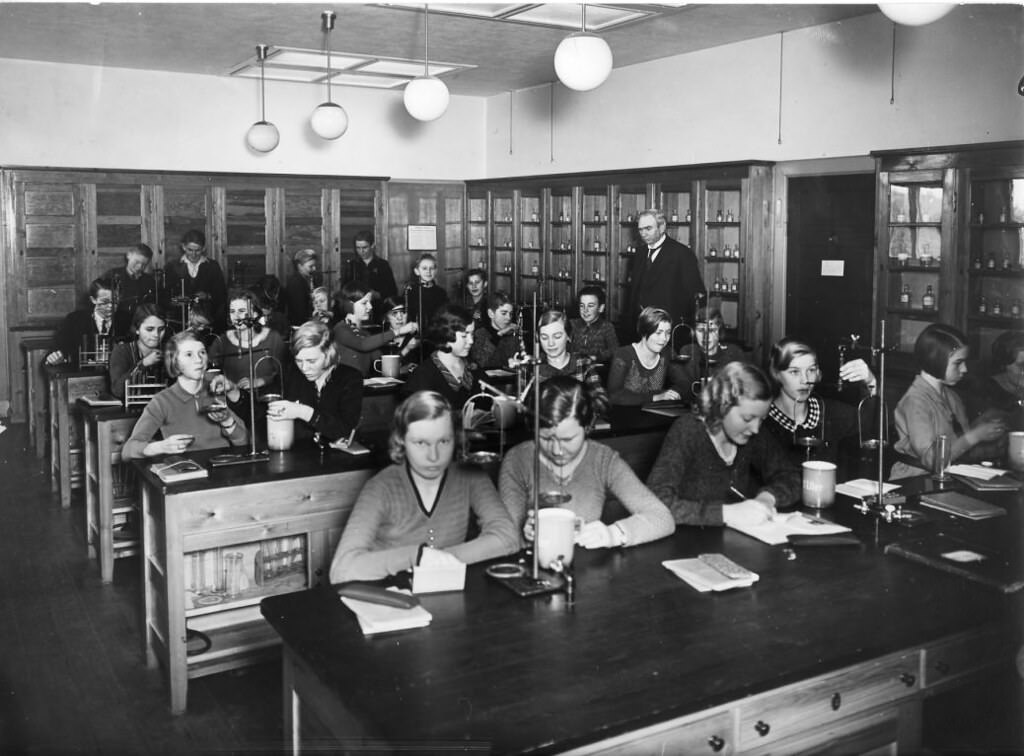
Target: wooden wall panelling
243, 210
360, 207
111, 223
301, 217
414, 203
46, 257
186, 206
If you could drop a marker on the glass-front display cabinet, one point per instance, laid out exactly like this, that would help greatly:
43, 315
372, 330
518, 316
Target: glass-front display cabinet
595, 248
916, 226
630, 201
722, 251
558, 268
995, 249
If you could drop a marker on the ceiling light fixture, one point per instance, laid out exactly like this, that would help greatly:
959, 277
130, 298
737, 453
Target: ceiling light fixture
329, 120
262, 136
426, 97
583, 60
914, 14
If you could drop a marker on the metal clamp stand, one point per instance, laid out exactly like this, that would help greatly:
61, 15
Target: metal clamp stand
252, 455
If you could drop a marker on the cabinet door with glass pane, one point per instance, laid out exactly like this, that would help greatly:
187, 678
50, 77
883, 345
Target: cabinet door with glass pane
916, 228
995, 248
530, 245
630, 201
557, 270
503, 241
596, 243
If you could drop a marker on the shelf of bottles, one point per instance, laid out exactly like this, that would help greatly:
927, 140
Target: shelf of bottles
914, 258
503, 238
996, 250
629, 203
557, 271
531, 249
478, 230
595, 265
243, 574
722, 255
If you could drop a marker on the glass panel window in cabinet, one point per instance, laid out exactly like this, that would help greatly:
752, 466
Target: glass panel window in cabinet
559, 267
304, 213
477, 225
118, 223
529, 222
631, 200
723, 254
996, 290
595, 247
244, 573
678, 213
501, 224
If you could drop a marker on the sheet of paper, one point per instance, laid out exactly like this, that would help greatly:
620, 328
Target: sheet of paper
778, 529
861, 487
976, 471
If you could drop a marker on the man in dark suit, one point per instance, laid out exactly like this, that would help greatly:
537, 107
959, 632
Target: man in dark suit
372, 272
665, 274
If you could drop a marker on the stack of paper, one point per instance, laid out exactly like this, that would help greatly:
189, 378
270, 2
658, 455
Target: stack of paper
705, 578
378, 618
862, 487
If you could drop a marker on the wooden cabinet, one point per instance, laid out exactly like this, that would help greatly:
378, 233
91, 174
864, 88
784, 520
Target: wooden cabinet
67, 438
994, 244
277, 522
585, 234
950, 234
66, 227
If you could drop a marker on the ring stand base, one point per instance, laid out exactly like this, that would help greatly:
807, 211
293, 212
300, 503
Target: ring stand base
523, 584
223, 460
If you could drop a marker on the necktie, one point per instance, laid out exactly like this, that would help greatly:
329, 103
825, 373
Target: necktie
651, 253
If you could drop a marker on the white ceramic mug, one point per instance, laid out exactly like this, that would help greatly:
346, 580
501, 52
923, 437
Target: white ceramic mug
555, 534
819, 485
280, 433
1015, 451
389, 365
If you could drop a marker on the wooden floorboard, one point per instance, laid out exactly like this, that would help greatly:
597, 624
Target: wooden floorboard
72, 675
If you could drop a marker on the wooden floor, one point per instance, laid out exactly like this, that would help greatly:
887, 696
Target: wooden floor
72, 677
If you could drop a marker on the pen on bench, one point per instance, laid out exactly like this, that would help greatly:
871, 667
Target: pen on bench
737, 493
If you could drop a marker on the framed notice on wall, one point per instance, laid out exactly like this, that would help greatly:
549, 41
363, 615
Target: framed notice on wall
422, 238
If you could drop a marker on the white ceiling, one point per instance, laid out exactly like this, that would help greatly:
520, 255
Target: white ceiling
215, 38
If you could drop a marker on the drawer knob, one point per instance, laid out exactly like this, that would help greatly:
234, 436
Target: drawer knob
717, 743
837, 701
762, 728
942, 668
908, 679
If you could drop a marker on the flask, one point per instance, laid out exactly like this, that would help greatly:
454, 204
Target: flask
729, 217
982, 306
735, 285
997, 308
905, 295
675, 217
727, 252
689, 215
736, 251
597, 217
713, 252
561, 217
1015, 309
990, 262
981, 217
535, 269
718, 216
533, 216
1006, 262
976, 262
1002, 215
928, 300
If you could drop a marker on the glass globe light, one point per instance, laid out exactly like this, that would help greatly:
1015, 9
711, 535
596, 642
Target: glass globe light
262, 136
583, 61
329, 120
426, 98
914, 14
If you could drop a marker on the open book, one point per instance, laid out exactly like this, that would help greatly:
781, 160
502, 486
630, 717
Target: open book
174, 469
101, 400
778, 529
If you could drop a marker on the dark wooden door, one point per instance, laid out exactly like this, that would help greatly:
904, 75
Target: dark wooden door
830, 266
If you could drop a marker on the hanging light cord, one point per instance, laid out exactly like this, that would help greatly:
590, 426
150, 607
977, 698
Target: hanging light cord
328, 26
780, 86
426, 40
263, 95
892, 69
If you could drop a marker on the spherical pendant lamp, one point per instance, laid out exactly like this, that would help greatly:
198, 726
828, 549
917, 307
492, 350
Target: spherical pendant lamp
583, 60
329, 120
914, 14
426, 97
262, 136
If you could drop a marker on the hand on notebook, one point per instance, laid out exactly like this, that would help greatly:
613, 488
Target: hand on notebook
747, 513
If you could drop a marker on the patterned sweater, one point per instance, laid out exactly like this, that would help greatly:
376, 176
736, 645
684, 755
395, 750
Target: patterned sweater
629, 382
694, 481
389, 523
